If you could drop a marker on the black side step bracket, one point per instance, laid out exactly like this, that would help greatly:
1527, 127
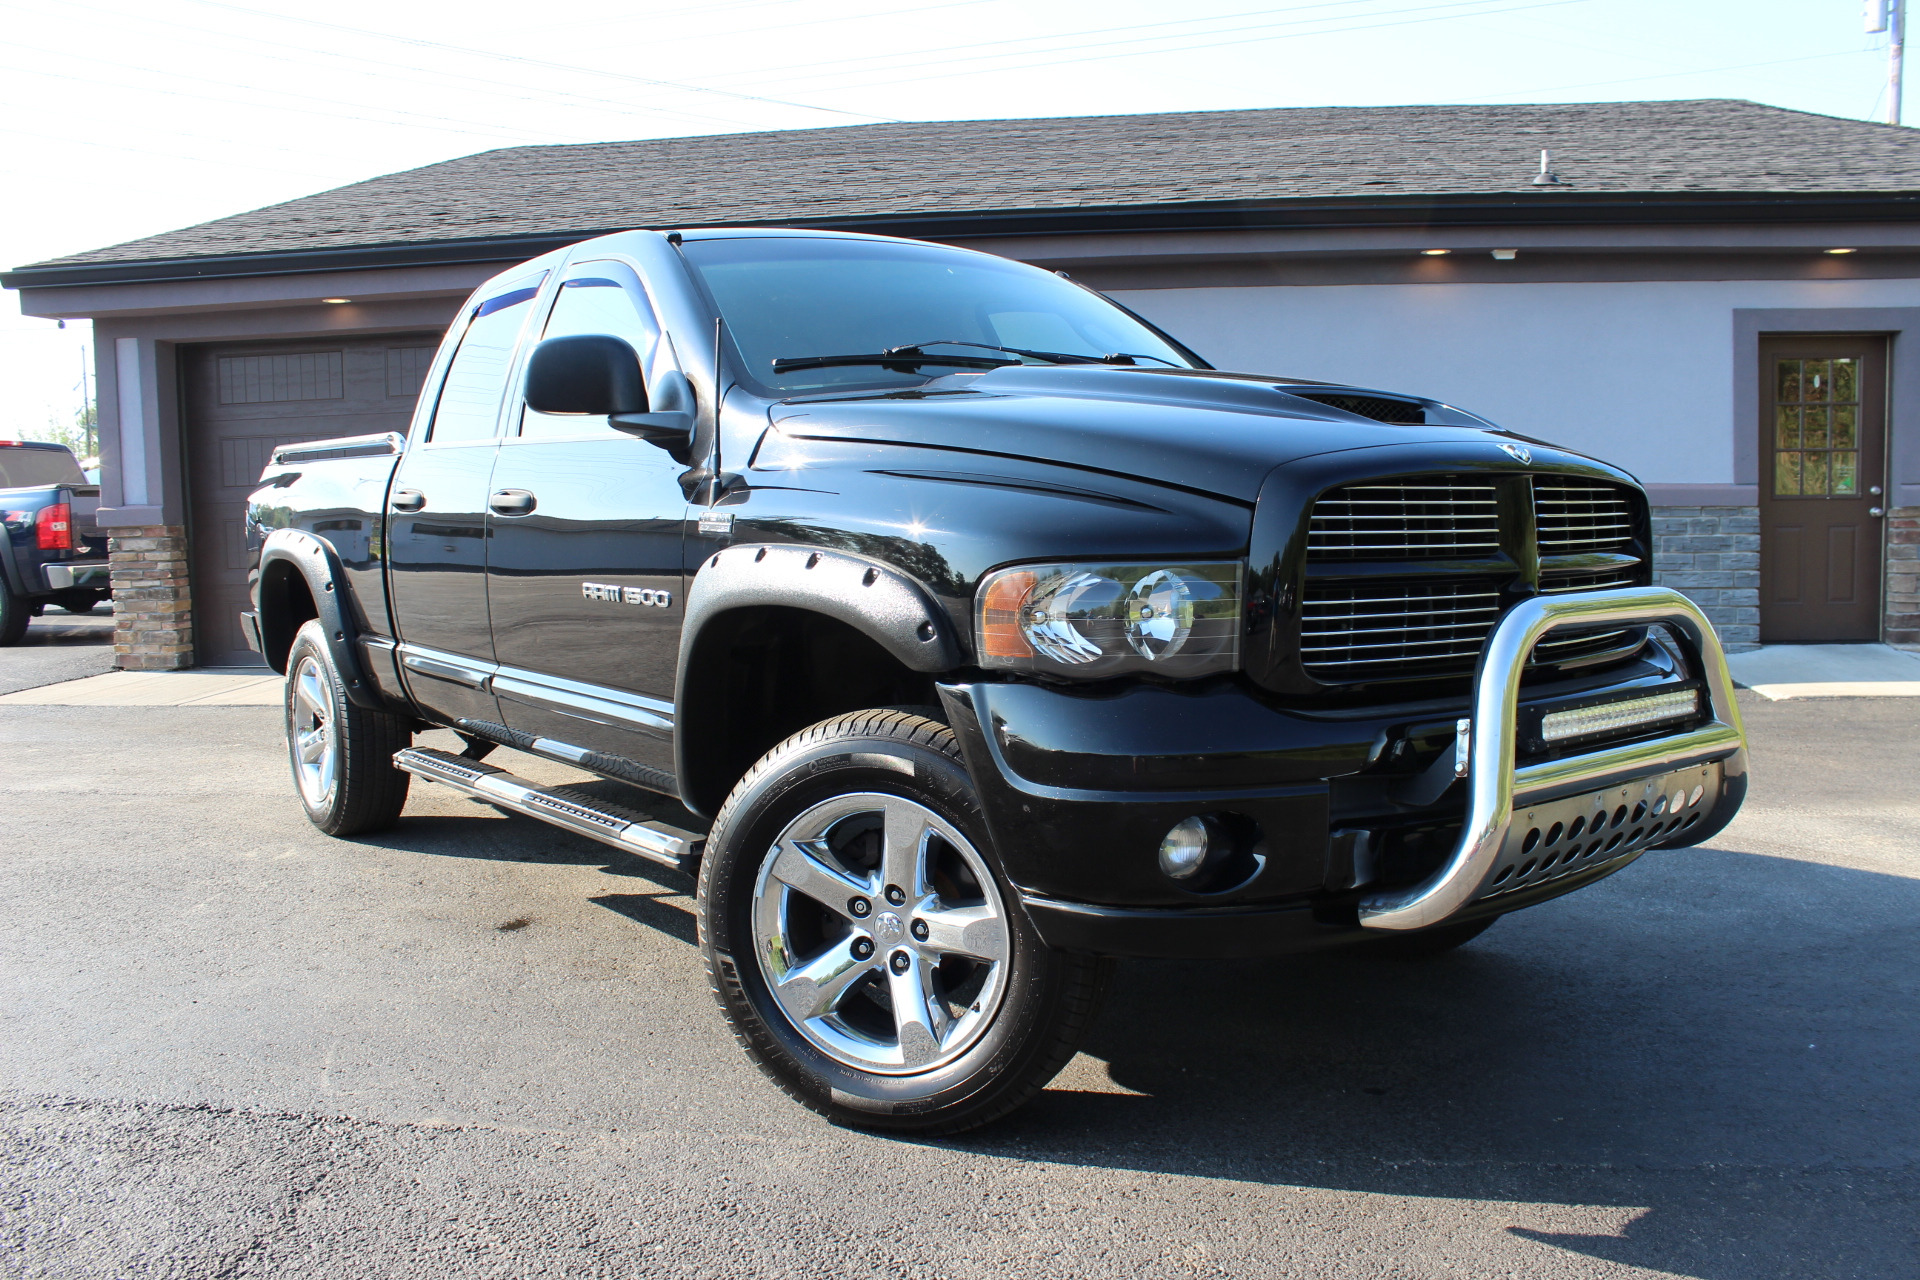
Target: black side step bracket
594, 818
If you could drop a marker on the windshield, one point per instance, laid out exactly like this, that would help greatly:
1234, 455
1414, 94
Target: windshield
786, 299
23, 467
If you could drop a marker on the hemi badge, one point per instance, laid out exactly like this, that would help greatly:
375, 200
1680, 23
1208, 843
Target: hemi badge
720, 522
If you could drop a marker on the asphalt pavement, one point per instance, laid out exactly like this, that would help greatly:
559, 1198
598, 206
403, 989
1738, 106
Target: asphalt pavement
477, 1046
59, 646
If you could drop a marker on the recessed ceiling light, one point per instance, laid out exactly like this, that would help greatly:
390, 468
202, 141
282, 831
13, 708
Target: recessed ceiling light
1435, 253
1506, 255
336, 301
1843, 251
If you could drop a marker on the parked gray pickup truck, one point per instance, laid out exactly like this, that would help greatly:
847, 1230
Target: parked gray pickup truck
958, 630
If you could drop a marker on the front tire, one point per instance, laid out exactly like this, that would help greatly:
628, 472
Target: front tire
862, 943
342, 754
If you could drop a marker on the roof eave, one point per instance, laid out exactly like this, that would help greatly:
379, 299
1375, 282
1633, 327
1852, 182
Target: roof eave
1543, 207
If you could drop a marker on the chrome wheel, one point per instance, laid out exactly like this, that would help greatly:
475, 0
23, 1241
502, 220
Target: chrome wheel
881, 933
310, 732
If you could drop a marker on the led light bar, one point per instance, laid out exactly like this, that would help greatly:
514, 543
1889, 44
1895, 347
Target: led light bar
1558, 726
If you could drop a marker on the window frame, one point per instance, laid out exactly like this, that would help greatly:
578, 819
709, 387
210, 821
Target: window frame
593, 427
533, 281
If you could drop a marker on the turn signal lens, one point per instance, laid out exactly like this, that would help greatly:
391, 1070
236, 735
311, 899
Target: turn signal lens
53, 529
1091, 621
1000, 603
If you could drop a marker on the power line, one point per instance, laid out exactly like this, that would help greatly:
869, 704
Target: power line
1083, 34
1241, 33
486, 85
1667, 75
537, 62
458, 126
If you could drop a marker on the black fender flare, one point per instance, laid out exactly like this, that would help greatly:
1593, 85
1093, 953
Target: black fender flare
873, 597
319, 565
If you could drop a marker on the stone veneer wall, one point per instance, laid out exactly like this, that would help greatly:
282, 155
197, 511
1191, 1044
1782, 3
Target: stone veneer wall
1903, 576
152, 603
1711, 555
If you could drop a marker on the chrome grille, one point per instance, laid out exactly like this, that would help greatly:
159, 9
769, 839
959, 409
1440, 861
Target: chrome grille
1577, 516
1436, 623
1350, 630
1440, 518
1555, 583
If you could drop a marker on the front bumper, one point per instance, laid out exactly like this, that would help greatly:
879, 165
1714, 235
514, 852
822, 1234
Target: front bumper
1078, 790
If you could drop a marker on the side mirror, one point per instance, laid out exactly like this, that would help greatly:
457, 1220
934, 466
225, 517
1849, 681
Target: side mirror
587, 373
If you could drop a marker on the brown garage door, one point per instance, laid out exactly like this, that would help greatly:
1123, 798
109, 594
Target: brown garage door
244, 400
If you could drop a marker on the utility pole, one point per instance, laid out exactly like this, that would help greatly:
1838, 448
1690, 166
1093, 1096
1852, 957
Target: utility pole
1890, 16
86, 402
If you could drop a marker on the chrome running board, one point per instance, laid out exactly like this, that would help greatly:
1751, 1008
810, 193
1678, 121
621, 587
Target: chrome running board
593, 818
1494, 786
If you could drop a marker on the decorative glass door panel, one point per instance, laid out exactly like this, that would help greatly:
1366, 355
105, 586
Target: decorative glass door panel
1816, 428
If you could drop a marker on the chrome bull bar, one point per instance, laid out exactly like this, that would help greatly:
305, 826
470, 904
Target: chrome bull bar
1494, 784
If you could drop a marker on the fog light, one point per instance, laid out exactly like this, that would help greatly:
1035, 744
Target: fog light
1183, 851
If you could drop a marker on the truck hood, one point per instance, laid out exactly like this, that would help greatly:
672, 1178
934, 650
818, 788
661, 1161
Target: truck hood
1216, 433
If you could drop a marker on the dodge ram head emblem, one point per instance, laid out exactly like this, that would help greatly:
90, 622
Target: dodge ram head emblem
1519, 453
626, 595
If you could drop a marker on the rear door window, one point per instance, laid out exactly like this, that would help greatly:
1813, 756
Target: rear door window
469, 405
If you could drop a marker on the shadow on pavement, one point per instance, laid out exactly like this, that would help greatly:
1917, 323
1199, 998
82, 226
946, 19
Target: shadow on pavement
504, 838
1726, 1048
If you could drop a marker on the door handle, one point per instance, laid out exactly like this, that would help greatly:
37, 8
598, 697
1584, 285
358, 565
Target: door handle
510, 502
1876, 512
408, 500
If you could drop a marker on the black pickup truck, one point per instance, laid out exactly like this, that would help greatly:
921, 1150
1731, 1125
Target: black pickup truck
52, 553
960, 630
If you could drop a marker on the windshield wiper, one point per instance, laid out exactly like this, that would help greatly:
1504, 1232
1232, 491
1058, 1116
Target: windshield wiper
910, 356
908, 359
1051, 357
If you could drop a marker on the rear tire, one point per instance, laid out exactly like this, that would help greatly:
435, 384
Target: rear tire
851, 867
341, 754
15, 614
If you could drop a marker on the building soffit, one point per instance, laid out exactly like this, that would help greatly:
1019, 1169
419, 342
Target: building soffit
1140, 247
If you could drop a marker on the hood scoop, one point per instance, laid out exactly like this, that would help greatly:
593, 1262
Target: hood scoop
1409, 413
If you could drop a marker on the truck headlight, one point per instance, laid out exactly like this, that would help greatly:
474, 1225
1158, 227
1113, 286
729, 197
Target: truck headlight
1090, 621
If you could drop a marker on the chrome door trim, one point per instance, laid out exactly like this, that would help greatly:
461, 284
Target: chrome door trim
1492, 781
596, 703
446, 666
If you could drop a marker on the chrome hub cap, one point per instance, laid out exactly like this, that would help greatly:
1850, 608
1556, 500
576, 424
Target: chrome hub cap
310, 733
881, 933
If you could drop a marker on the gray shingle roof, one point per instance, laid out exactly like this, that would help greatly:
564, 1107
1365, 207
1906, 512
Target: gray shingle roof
1072, 163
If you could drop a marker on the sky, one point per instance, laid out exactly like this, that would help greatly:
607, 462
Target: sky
123, 118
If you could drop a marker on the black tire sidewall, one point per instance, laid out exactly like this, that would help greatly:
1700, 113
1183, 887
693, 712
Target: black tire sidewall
309, 642
802, 777
15, 614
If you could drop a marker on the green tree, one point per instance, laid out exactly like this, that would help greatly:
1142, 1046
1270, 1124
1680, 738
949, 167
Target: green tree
77, 431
